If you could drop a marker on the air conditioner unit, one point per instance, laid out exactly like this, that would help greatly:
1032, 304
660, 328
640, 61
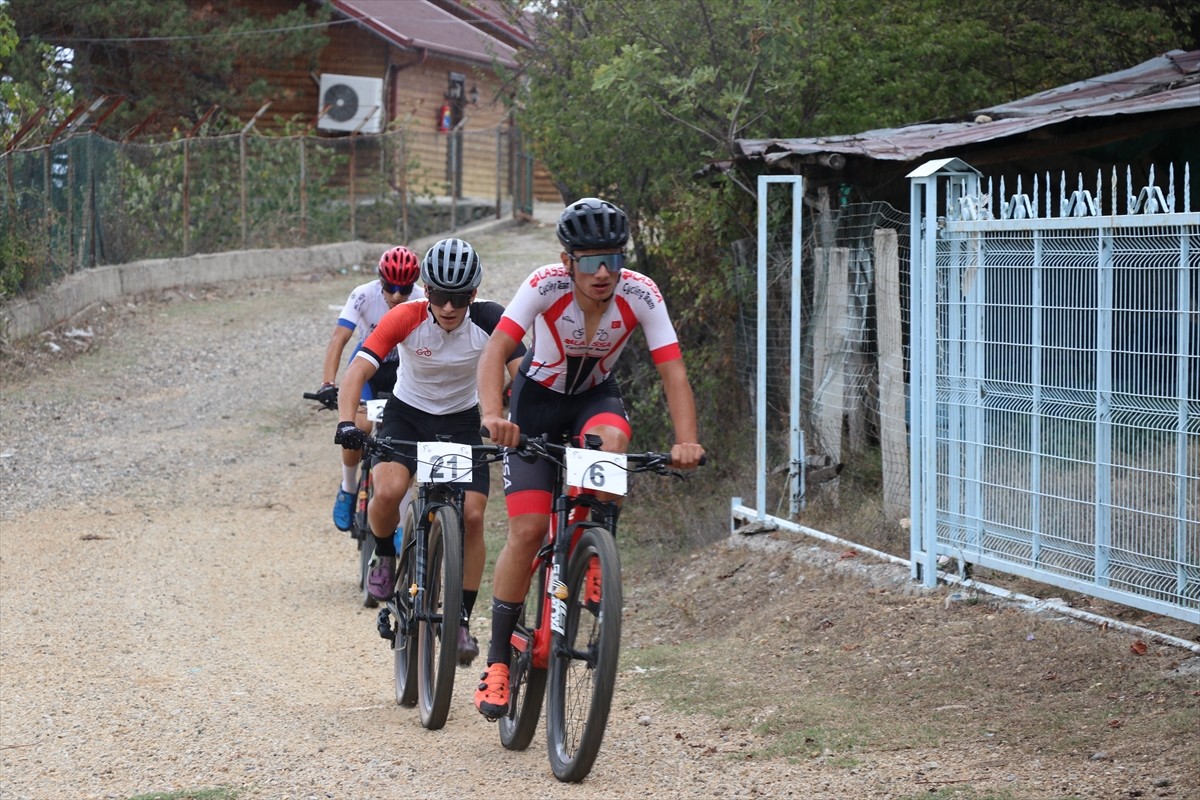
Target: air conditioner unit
350, 102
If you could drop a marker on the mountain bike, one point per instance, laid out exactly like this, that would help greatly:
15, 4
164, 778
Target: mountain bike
422, 617
360, 528
575, 599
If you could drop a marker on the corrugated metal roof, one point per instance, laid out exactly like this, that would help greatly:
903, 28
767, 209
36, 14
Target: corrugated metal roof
421, 24
1168, 82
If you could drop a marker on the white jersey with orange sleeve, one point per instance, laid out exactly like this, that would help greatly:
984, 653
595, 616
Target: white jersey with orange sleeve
438, 366
561, 360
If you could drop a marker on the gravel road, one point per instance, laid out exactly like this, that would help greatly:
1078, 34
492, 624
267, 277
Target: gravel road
177, 612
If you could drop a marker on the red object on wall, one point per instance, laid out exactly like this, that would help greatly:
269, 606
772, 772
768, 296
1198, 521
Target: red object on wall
444, 120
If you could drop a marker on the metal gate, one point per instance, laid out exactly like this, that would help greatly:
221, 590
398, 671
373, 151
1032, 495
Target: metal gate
1055, 385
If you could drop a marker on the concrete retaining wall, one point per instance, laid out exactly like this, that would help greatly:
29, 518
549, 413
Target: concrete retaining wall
57, 304
62, 301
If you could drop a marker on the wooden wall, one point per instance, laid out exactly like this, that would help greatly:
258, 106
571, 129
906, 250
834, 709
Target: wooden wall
414, 90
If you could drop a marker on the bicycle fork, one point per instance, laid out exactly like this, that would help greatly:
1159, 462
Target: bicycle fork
404, 610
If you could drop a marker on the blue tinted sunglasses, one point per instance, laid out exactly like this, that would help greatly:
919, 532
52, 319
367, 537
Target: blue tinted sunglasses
392, 288
590, 265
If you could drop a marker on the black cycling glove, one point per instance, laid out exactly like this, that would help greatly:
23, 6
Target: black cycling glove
349, 436
327, 395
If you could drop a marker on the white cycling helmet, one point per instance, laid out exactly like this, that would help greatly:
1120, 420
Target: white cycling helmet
451, 265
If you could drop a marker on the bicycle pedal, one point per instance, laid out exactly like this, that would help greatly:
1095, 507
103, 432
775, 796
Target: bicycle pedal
383, 623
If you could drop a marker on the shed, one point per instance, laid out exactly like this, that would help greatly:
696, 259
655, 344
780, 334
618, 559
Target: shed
1147, 114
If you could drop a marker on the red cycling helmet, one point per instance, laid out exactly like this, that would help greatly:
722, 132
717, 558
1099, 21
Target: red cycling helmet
399, 266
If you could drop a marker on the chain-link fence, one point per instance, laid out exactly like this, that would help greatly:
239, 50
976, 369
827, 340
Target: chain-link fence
87, 200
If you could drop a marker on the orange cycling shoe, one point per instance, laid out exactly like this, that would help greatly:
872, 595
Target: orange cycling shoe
491, 697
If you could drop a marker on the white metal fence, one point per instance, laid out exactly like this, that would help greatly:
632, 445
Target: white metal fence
1055, 380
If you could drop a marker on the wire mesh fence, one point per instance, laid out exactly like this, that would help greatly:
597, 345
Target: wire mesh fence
87, 200
853, 349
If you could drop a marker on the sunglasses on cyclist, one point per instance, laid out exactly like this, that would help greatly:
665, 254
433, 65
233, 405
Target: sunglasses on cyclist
438, 297
590, 265
392, 288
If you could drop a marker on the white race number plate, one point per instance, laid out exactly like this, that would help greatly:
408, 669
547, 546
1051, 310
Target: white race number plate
443, 462
375, 410
597, 470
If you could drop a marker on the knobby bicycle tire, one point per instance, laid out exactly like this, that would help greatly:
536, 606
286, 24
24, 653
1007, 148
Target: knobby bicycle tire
438, 640
528, 682
362, 532
583, 661
404, 647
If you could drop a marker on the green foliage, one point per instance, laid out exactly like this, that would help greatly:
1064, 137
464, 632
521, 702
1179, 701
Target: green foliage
148, 187
627, 99
217, 793
45, 85
21, 256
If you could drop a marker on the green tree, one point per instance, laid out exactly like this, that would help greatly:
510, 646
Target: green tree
626, 99
625, 96
46, 86
173, 58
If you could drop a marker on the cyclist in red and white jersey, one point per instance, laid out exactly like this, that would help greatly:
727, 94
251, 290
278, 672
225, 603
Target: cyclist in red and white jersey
582, 312
440, 340
399, 269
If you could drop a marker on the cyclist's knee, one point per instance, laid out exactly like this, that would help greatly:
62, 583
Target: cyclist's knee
390, 482
527, 531
614, 440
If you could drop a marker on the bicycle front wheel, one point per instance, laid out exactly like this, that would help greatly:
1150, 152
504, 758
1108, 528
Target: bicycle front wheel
583, 660
404, 646
528, 682
441, 613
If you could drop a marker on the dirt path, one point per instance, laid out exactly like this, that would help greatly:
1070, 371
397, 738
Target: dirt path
178, 613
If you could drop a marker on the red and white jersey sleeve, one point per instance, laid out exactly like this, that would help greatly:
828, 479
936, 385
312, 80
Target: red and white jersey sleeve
437, 367
561, 359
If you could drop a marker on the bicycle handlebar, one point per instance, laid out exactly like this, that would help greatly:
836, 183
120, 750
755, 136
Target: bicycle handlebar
326, 401
537, 445
382, 444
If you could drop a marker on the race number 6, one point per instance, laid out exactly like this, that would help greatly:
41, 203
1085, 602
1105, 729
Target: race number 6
597, 470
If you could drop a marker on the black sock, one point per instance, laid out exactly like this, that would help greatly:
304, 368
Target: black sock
504, 621
469, 596
385, 546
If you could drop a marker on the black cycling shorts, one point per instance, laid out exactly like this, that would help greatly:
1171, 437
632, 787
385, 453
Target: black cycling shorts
538, 410
402, 421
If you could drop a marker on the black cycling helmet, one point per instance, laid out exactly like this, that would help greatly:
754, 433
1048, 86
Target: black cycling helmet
451, 265
592, 224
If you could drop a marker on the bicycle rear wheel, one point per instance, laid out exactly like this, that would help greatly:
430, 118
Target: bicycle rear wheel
438, 632
583, 660
361, 530
404, 647
528, 682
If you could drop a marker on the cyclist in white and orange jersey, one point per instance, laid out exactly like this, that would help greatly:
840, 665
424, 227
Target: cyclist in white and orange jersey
399, 269
440, 340
582, 312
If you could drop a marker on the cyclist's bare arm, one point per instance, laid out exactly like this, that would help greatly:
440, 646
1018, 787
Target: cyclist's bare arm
333, 353
357, 374
686, 452
490, 378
